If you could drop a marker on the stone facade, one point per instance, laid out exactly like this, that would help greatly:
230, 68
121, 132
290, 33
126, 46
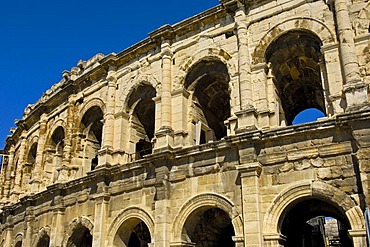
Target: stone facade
186, 138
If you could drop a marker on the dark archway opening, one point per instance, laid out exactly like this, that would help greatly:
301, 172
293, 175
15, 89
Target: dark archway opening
44, 241
57, 141
30, 164
55, 151
143, 118
18, 244
315, 223
295, 63
133, 233
92, 127
81, 237
210, 227
140, 236
210, 82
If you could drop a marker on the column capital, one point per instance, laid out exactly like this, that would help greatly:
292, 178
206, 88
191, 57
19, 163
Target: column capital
250, 170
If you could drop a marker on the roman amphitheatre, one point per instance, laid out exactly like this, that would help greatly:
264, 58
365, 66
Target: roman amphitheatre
187, 137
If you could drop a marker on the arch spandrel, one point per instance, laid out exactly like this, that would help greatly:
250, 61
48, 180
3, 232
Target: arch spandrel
126, 214
311, 189
300, 24
205, 200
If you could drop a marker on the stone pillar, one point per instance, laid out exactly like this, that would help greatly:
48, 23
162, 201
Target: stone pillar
67, 151
36, 181
180, 119
8, 229
28, 227
105, 153
333, 74
260, 85
162, 209
249, 174
243, 59
273, 103
8, 174
122, 138
57, 228
101, 214
164, 136
21, 161
64, 172
247, 114
354, 89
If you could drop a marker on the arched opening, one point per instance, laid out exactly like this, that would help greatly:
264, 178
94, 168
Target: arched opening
315, 223
92, 129
132, 233
308, 115
211, 227
54, 154
30, 164
142, 106
81, 237
209, 82
18, 244
57, 141
31, 157
44, 241
294, 58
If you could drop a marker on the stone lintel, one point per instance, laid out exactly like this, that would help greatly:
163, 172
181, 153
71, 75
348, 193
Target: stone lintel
249, 170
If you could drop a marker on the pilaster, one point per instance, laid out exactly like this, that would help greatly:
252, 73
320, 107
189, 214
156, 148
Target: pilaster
101, 214
57, 229
164, 136
354, 89
8, 174
67, 150
8, 229
249, 174
246, 115
18, 173
162, 209
28, 227
180, 99
105, 154
36, 181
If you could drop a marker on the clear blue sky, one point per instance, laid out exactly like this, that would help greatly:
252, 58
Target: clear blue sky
40, 39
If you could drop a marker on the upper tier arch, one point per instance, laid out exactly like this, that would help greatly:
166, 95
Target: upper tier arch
301, 23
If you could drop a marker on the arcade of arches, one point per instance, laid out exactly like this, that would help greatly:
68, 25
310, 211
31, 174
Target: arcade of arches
190, 137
